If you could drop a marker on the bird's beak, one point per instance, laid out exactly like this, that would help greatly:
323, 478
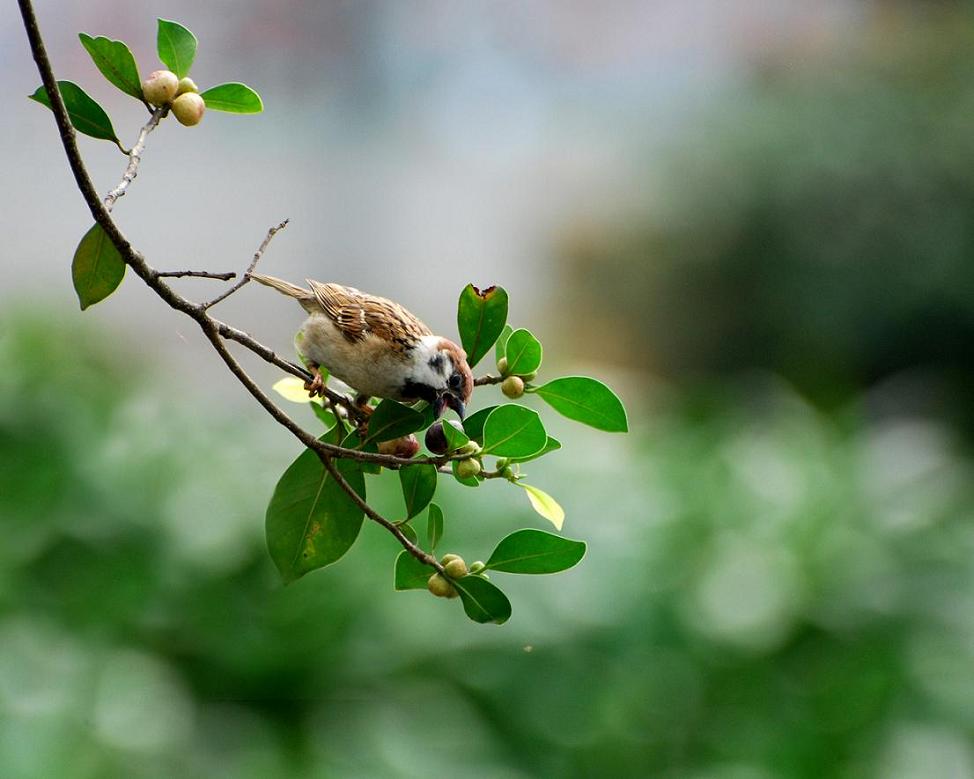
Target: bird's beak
448, 399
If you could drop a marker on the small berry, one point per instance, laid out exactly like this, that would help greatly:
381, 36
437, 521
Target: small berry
477, 566
456, 569
407, 446
513, 387
529, 376
186, 84
448, 557
467, 469
502, 366
471, 447
160, 87
436, 439
441, 587
506, 472
188, 108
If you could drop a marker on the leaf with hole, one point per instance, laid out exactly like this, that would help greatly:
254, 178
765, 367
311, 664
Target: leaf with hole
434, 526
587, 401
176, 47
535, 551
514, 431
115, 61
85, 114
544, 504
410, 573
97, 268
480, 318
482, 601
233, 98
523, 352
418, 484
311, 521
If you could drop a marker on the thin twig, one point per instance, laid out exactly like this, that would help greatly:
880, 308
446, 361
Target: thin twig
197, 274
135, 157
487, 379
250, 268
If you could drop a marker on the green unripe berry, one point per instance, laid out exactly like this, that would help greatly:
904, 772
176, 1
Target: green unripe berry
529, 376
506, 472
513, 387
477, 566
449, 558
471, 447
467, 469
160, 87
456, 569
188, 108
502, 366
441, 587
186, 84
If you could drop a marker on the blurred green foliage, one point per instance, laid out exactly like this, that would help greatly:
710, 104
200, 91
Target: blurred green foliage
768, 593
817, 222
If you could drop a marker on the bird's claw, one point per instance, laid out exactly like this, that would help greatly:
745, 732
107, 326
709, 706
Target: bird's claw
317, 385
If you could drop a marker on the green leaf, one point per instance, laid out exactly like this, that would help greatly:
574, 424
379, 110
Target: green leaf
587, 401
500, 348
480, 319
418, 485
534, 551
97, 268
311, 522
514, 431
454, 438
471, 481
474, 424
523, 353
392, 420
234, 98
482, 601
86, 115
544, 504
176, 46
552, 445
434, 526
116, 63
411, 574
407, 530
292, 388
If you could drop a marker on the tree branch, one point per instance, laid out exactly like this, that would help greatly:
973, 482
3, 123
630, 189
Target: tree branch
250, 268
135, 157
199, 274
480, 381
214, 330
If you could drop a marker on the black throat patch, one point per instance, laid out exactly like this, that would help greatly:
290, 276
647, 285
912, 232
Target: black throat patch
412, 390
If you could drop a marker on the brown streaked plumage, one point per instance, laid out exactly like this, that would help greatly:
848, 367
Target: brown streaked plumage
376, 346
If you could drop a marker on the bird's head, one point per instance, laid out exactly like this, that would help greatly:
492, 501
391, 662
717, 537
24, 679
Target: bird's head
440, 376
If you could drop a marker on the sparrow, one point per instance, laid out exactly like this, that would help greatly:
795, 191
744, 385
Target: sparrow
376, 346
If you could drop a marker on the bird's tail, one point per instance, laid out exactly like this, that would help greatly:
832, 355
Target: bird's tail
285, 287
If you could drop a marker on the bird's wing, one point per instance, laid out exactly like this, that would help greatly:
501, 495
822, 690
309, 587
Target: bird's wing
358, 315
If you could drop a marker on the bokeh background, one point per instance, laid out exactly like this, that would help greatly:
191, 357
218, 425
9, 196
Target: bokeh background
755, 219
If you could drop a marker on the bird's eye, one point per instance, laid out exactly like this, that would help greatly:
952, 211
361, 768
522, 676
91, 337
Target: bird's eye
455, 381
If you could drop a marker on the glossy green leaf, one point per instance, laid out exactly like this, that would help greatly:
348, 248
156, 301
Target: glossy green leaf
471, 481
354, 441
544, 504
534, 551
392, 420
474, 424
410, 532
116, 63
551, 445
410, 573
418, 486
482, 601
500, 348
454, 438
97, 268
523, 353
311, 522
514, 431
233, 98
480, 318
434, 526
587, 401
86, 115
176, 46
